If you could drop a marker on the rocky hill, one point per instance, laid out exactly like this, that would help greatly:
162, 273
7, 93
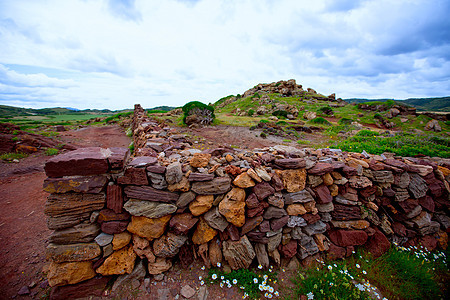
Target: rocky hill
440, 104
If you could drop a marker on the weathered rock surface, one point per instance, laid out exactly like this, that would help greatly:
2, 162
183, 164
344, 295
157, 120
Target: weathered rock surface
77, 184
203, 233
150, 194
69, 273
232, 207
148, 228
182, 223
72, 252
149, 209
293, 180
215, 219
216, 186
201, 204
238, 254
168, 245
81, 233
120, 262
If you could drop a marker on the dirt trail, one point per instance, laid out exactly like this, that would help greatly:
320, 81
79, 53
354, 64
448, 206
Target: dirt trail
23, 231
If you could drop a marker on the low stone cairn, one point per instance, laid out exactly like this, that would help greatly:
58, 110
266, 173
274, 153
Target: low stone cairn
113, 214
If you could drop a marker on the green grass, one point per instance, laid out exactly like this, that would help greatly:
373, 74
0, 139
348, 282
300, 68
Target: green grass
254, 284
51, 151
319, 121
303, 142
12, 155
403, 144
400, 273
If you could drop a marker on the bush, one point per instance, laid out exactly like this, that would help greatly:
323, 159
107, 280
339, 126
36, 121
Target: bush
251, 112
280, 113
320, 121
203, 111
345, 121
325, 110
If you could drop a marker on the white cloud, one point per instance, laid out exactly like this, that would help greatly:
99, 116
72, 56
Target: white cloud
119, 52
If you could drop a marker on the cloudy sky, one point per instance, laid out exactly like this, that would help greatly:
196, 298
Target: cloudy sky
114, 53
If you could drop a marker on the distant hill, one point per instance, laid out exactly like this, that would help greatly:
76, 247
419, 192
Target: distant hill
165, 108
441, 104
12, 111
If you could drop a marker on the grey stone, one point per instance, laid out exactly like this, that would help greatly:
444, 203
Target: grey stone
297, 197
296, 221
297, 233
401, 194
314, 180
149, 209
342, 200
431, 229
383, 176
274, 212
107, 250
81, 233
418, 186
215, 219
216, 186
323, 208
185, 199
158, 180
315, 228
187, 291
238, 254
174, 173
261, 255
307, 247
168, 245
104, 239
402, 180
274, 242
138, 273
202, 293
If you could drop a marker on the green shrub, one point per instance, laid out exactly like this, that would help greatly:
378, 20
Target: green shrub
345, 121
264, 121
51, 151
320, 121
327, 110
251, 112
131, 147
205, 112
263, 135
280, 113
257, 95
281, 123
13, 155
118, 116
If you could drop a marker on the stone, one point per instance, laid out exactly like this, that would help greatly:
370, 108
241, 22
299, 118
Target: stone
315, 228
117, 157
149, 209
327, 179
124, 281
252, 201
263, 190
341, 200
142, 161
418, 186
200, 177
114, 198
325, 208
66, 210
244, 181
215, 252
353, 224
335, 252
276, 182
174, 173
276, 224
187, 291
184, 199
150, 194
203, 233
81, 233
238, 254
402, 180
216, 186
296, 221
201, 204
359, 182
289, 250
72, 252
90, 288
69, 272
232, 207
104, 239
408, 205
400, 194
137, 176
311, 207
158, 180
107, 215
168, 245
274, 242
77, 184
276, 200
344, 212
148, 228
200, 160
215, 219
120, 262
291, 163
158, 169
346, 238
120, 240
261, 255
306, 247
252, 173
182, 186
293, 180
274, 212
422, 220
159, 266
83, 161
323, 194
295, 209
315, 180
251, 224
262, 173
322, 242
182, 223
298, 197
321, 169
311, 218
383, 176
377, 244
107, 250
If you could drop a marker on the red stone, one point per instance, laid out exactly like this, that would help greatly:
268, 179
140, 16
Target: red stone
408, 205
93, 287
427, 203
344, 212
276, 224
321, 169
323, 194
289, 250
291, 163
263, 190
118, 156
157, 169
252, 201
346, 238
233, 170
250, 224
150, 194
83, 161
182, 223
399, 228
336, 252
114, 198
368, 191
276, 183
264, 226
310, 218
107, 215
429, 242
377, 244
114, 227
135, 176
233, 232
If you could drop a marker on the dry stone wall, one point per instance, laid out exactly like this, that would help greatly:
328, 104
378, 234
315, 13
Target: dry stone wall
113, 214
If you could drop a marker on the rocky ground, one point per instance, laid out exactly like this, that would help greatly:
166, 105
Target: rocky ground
23, 233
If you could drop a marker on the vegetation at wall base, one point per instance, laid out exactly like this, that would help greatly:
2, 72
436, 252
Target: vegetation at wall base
51, 151
403, 144
10, 156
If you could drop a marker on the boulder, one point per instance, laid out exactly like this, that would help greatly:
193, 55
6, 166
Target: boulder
346, 238
69, 273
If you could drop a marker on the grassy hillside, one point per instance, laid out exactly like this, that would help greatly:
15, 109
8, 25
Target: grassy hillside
441, 104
